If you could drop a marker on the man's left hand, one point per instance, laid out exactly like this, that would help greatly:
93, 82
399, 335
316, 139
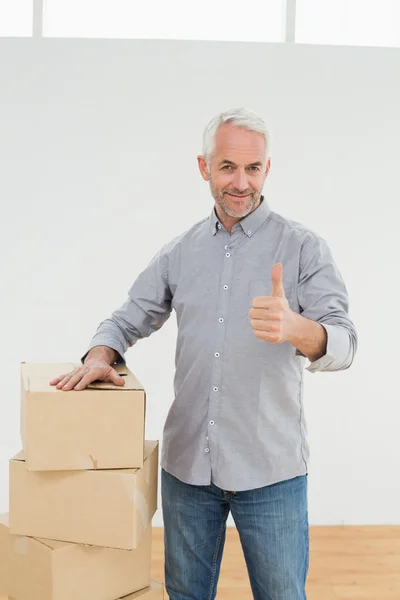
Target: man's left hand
271, 316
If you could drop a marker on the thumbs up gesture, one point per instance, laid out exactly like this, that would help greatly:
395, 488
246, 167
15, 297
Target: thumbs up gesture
271, 316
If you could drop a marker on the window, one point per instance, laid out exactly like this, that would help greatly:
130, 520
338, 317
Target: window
335, 22
227, 20
16, 18
348, 22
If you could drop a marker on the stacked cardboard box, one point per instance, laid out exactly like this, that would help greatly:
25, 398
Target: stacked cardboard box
83, 493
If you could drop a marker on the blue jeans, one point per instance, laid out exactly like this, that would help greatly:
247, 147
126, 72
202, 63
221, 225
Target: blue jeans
272, 523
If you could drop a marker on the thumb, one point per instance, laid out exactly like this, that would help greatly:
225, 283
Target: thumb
277, 283
117, 379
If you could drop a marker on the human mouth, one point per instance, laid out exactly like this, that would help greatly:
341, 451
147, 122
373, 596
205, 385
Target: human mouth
238, 198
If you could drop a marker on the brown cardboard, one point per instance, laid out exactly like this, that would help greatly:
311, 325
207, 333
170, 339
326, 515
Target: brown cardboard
111, 507
154, 592
100, 427
37, 568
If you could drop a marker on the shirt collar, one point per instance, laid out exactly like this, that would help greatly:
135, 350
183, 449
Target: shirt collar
249, 224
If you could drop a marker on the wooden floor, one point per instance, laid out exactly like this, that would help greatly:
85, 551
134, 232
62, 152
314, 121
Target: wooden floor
346, 563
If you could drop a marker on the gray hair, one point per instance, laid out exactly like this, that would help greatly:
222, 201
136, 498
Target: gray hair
242, 118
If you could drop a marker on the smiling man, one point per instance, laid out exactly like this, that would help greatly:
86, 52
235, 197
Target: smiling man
255, 295
236, 185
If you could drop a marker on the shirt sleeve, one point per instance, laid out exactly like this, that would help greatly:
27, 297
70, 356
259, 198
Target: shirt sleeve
146, 309
323, 298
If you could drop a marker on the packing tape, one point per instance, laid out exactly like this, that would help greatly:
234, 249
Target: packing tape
21, 545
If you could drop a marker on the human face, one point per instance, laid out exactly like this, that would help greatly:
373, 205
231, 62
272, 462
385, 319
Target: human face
237, 171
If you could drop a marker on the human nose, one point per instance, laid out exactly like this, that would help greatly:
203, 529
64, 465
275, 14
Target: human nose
240, 180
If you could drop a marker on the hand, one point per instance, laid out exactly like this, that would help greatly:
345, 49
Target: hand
271, 316
91, 370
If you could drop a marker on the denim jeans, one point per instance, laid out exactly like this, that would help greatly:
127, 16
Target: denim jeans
272, 523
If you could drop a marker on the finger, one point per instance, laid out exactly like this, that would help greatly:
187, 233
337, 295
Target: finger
85, 381
63, 381
274, 338
73, 380
265, 314
117, 379
277, 280
264, 325
265, 302
57, 379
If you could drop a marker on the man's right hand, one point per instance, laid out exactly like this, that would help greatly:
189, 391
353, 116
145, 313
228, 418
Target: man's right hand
91, 370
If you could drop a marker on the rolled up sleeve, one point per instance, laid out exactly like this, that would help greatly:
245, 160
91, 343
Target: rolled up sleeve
323, 298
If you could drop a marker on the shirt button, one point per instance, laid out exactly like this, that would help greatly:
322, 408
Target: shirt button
211, 422
216, 354
225, 287
221, 320
215, 389
207, 450
249, 232
227, 254
219, 226
226, 247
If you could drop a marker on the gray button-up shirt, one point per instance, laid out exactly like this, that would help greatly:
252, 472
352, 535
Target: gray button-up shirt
237, 418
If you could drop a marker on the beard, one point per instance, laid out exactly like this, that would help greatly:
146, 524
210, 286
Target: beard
226, 205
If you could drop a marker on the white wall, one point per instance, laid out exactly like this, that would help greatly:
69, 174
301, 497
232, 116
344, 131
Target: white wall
98, 167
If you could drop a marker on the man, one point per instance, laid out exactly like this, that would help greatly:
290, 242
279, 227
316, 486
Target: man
255, 294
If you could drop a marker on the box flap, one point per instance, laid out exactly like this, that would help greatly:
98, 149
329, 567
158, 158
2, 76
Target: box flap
37, 376
53, 544
149, 447
4, 519
131, 382
154, 586
20, 456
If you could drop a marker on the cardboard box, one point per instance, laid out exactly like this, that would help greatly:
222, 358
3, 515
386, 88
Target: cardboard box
153, 592
100, 427
105, 508
42, 569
